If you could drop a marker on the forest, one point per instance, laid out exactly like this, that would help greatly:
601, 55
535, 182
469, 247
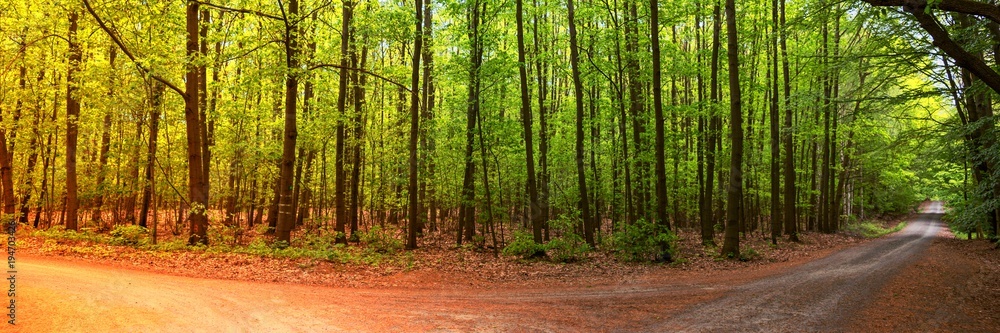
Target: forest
537, 127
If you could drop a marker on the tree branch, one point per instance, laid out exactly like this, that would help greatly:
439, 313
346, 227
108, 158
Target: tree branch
239, 10
943, 41
970, 7
359, 70
128, 53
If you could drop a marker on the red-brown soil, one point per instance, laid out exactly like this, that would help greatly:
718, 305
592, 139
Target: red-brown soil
939, 285
953, 287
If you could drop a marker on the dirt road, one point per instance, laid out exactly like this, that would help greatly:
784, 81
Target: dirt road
818, 296
56, 295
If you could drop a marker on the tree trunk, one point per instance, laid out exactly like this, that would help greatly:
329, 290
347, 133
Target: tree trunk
413, 204
661, 167
635, 109
72, 120
467, 210
340, 181
534, 210
714, 129
359, 102
588, 223
197, 180
154, 128
791, 217
731, 244
775, 144
542, 183
286, 213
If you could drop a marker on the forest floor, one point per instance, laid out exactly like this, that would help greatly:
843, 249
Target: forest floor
919, 278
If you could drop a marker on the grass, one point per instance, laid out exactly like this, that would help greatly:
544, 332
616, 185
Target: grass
874, 229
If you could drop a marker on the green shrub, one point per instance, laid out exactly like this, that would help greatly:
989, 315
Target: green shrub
129, 235
568, 245
523, 245
643, 241
872, 229
382, 241
60, 233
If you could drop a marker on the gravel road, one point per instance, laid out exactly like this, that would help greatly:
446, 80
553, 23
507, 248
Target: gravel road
818, 296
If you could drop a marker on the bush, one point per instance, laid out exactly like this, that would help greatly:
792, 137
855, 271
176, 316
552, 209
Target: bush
60, 233
129, 235
644, 241
569, 245
566, 246
523, 245
382, 241
872, 229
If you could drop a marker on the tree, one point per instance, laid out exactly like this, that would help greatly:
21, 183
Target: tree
661, 168
72, 118
414, 205
467, 211
791, 217
529, 149
583, 206
731, 244
339, 186
286, 211
714, 129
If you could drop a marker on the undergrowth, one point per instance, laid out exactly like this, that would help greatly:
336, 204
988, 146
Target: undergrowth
873, 229
382, 246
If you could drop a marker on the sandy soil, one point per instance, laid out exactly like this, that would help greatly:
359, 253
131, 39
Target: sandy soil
835, 292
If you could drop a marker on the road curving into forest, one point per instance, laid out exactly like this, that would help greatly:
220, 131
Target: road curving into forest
819, 296
57, 295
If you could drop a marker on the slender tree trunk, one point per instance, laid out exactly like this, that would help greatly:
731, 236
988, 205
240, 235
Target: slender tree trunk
72, 120
731, 244
526, 118
286, 213
412, 202
661, 167
154, 128
588, 223
542, 183
714, 129
359, 102
791, 216
775, 134
339, 175
635, 108
466, 214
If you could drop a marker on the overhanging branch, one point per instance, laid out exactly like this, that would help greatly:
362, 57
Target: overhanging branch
970, 7
128, 53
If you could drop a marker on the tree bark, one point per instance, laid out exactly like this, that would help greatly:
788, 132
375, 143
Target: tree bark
661, 168
154, 129
467, 210
526, 118
588, 223
286, 213
731, 244
714, 128
72, 120
340, 181
197, 180
412, 202
775, 135
791, 217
